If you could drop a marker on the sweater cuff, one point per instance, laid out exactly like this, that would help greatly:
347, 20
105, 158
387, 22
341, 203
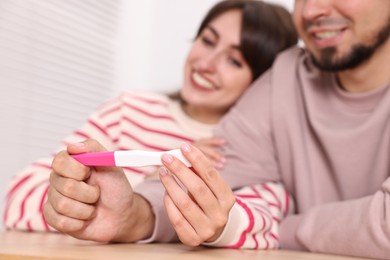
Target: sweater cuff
232, 229
288, 233
153, 191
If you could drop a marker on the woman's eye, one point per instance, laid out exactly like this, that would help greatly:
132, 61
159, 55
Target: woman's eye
235, 62
207, 41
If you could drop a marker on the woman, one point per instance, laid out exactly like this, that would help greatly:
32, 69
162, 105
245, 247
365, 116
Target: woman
236, 42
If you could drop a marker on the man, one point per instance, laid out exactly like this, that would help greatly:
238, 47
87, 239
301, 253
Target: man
318, 121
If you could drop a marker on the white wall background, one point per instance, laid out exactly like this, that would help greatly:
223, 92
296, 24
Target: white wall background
144, 51
154, 39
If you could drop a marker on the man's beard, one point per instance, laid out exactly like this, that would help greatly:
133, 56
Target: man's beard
358, 54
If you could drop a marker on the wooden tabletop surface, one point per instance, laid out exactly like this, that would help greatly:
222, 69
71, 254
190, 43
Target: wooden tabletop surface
22, 245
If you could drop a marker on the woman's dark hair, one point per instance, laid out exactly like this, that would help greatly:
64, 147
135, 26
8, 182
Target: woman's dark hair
266, 30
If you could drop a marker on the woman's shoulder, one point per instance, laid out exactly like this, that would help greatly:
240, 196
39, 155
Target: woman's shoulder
134, 99
146, 97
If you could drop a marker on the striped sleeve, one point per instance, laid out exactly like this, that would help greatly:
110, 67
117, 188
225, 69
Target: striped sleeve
254, 219
25, 197
27, 190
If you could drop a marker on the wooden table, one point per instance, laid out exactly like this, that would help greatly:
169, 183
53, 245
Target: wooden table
20, 245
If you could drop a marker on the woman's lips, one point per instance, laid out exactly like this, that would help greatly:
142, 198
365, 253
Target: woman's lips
202, 82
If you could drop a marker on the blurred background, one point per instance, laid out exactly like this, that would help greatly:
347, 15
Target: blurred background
60, 59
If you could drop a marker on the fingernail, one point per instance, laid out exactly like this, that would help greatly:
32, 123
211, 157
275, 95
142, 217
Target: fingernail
167, 158
219, 165
186, 147
80, 144
163, 171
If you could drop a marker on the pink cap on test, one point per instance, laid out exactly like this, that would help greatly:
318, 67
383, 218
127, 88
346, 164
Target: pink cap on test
96, 159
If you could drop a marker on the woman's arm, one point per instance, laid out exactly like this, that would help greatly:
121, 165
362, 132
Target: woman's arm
207, 212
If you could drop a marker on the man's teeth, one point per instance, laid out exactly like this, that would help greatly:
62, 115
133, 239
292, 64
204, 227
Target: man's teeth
326, 35
201, 81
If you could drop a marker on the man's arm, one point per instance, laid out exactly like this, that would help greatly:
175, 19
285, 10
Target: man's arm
359, 227
94, 203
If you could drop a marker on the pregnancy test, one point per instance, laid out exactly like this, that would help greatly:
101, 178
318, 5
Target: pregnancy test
131, 158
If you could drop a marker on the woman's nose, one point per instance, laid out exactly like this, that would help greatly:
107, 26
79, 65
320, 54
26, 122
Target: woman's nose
208, 61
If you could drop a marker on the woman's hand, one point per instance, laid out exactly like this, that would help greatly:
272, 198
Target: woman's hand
200, 214
94, 203
211, 148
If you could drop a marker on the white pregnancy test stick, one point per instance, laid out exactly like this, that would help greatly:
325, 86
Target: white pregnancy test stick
131, 158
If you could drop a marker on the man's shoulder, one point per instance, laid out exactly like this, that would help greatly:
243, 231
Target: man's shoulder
290, 65
290, 55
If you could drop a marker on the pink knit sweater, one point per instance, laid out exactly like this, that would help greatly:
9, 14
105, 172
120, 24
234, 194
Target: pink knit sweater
329, 147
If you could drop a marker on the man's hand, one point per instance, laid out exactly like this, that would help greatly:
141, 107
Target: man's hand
95, 203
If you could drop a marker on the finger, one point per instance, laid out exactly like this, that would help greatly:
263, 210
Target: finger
185, 211
192, 228
183, 228
69, 207
88, 146
181, 199
74, 189
205, 170
195, 185
64, 165
191, 181
60, 222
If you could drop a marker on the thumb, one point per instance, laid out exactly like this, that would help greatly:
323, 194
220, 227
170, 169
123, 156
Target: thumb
87, 146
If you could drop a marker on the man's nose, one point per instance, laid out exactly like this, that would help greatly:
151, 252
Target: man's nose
315, 9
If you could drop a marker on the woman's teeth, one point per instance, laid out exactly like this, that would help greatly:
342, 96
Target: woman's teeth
198, 79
